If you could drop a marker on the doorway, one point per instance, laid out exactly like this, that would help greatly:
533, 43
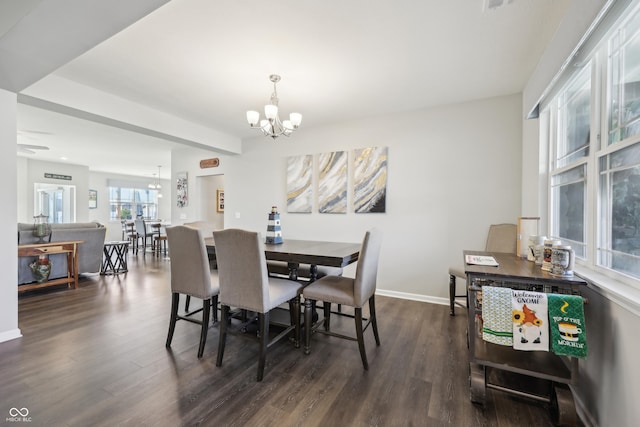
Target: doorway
58, 202
211, 190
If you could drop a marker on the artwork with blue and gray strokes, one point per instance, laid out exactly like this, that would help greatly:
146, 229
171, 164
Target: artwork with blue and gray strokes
299, 190
332, 182
370, 179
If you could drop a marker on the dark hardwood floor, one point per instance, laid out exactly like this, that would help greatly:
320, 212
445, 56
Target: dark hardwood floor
95, 356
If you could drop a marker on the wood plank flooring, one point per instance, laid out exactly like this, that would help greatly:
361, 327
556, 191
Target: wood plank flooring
95, 356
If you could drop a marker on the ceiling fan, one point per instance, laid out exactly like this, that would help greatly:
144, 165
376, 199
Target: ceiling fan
29, 149
30, 134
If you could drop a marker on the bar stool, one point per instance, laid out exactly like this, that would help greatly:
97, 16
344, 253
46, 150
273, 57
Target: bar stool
159, 241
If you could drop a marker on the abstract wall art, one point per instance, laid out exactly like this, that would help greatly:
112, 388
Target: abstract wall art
299, 190
370, 179
332, 182
182, 190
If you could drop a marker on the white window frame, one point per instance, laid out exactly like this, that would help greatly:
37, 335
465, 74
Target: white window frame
599, 147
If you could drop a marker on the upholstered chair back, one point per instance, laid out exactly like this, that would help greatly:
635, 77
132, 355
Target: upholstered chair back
242, 270
367, 269
141, 227
190, 273
502, 238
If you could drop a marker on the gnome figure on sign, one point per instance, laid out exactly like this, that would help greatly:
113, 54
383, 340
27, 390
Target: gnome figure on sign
529, 326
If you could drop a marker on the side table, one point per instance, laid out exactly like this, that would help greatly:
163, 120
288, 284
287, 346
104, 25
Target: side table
114, 260
70, 248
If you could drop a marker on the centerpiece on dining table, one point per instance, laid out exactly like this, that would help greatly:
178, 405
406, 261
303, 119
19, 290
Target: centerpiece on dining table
274, 230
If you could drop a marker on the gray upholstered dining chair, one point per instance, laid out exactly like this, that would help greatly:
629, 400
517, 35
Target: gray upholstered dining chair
245, 284
143, 234
352, 292
501, 238
207, 229
191, 276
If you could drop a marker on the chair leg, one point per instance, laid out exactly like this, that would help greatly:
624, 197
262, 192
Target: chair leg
327, 315
175, 301
308, 313
263, 322
186, 303
223, 333
206, 307
372, 317
452, 294
214, 308
360, 336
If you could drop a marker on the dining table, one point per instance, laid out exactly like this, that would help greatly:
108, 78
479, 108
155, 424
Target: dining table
295, 252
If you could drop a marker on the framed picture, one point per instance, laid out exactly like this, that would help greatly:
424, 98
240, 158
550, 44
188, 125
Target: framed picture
93, 199
182, 190
220, 200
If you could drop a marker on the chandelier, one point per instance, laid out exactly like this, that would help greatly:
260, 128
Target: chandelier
271, 125
156, 184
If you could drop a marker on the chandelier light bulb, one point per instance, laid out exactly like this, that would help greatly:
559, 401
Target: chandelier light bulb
296, 119
272, 125
253, 117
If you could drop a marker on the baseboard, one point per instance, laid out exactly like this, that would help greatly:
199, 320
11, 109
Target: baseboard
10, 335
413, 297
582, 410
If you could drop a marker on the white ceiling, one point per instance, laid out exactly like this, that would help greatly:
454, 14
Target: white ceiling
208, 62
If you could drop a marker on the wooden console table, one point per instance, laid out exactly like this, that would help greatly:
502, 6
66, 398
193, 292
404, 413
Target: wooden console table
36, 249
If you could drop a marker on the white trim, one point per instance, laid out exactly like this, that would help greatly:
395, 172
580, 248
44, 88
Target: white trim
10, 335
624, 295
413, 297
582, 410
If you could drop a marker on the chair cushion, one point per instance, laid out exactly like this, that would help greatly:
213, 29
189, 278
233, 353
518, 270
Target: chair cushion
212, 291
281, 291
333, 289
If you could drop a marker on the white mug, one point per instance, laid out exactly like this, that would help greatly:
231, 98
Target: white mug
547, 251
562, 260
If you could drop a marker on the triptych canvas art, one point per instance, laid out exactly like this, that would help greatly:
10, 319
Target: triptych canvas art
367, 171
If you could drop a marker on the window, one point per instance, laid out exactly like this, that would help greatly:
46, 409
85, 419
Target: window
594, 183
619, 247
569, 162
568, 204
131, 203
624, 81
573, 117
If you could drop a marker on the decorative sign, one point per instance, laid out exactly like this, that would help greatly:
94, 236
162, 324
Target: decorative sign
56, 176
209, 163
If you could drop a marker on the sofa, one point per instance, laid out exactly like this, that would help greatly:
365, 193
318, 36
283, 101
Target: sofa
89, 252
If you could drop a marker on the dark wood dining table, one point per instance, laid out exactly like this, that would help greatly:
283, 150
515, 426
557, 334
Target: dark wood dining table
296, 252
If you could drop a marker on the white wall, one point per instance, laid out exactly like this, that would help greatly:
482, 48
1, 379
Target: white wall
452, 171
8, 219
